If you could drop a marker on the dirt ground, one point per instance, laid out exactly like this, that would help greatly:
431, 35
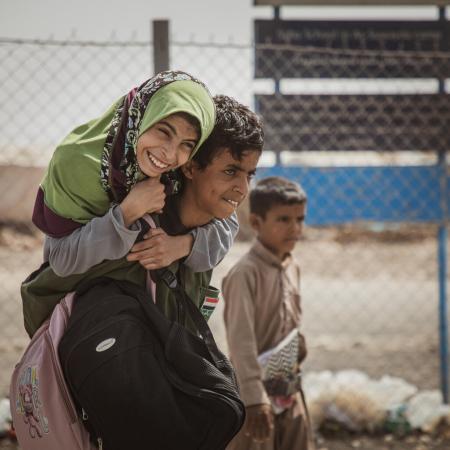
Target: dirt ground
347, 442
370, 302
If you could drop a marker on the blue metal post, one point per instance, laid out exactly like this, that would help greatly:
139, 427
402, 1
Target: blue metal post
442, 250
442, 255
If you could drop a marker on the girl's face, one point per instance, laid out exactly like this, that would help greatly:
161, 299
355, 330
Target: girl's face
166, 145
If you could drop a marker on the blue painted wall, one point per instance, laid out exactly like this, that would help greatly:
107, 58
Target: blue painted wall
338, 195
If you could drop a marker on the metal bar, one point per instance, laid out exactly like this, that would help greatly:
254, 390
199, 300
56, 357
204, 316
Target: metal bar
276, 16
276, 12
443, 323
351, 2
160, 45
442, 253
445, 33
442, 258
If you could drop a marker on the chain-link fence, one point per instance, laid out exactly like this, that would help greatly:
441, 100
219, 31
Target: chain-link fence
370, 289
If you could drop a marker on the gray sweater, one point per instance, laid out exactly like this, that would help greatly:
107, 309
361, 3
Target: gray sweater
107, 238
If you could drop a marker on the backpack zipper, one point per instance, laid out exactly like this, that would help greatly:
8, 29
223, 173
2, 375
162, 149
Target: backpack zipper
85, 417
96, 330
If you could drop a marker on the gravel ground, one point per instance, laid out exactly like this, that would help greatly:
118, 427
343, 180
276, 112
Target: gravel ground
346, 442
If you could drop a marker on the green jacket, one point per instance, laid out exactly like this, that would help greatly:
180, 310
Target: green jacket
43, 289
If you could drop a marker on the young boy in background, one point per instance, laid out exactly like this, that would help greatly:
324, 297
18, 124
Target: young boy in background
262, 309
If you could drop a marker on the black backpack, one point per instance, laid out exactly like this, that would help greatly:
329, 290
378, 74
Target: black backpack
142, 381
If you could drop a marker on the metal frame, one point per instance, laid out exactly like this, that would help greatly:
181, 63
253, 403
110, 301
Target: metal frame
441, 169
351, 2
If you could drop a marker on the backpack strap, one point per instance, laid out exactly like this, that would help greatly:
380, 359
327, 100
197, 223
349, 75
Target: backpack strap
185, 303
200, 323
167, 276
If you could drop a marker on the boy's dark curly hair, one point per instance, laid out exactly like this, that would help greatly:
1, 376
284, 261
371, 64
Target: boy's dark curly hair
237, 129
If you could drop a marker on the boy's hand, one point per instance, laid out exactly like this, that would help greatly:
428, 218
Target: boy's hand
258, 422
144, 197
158, 249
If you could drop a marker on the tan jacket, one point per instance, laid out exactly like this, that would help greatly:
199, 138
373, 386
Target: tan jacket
262, 305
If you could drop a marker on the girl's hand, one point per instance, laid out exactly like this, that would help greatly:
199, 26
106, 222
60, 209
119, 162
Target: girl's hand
147, 196
158, 249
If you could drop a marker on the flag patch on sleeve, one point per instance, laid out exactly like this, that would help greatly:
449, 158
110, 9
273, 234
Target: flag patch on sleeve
208, 307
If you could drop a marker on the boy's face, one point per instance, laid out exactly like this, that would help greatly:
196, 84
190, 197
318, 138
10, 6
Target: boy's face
281, 228
220, 187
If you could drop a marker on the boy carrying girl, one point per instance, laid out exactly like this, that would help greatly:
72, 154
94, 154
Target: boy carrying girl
262, 314
215, 183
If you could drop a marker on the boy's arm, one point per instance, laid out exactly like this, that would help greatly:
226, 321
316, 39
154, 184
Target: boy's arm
239, 291
102, 238
211, 243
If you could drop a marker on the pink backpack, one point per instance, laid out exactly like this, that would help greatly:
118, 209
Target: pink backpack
44, 415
